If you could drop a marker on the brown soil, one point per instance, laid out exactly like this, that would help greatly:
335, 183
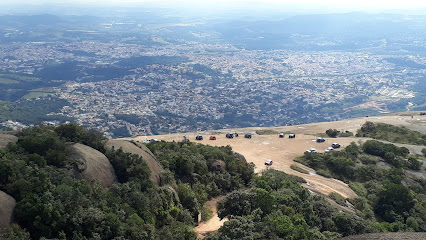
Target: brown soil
283, 151
144, 152
7, 138
7, 205
92, 165
214, 223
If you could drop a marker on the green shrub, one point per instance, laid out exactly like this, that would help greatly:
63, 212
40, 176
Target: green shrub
358, 188
266, 132
391, 133
339, 199
413, 163
325, 173
299, 169
206, 213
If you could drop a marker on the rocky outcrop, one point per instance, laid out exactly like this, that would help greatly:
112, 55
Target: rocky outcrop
7, 205
7, 138
240, 157
90, 164
141, 150
218, 165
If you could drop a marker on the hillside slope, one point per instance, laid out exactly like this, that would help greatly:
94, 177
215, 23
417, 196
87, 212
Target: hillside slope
283, 151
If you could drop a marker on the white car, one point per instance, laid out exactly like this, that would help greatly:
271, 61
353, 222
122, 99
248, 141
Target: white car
312, 150
329, 149
268, 162
150, 140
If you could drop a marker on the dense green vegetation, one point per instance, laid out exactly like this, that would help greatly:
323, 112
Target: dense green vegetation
266, 132
32, 112
391, 133
278, 207
52, 204
383, 199
131, 118
336, 133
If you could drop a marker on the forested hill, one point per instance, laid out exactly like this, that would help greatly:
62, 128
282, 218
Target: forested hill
67, 182
54, 176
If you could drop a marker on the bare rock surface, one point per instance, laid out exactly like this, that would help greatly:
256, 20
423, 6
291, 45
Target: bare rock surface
7, 205
7, 138
141, 150
92, 165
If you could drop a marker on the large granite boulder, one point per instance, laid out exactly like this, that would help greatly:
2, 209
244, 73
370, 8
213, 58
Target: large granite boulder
90, 164
7, 205
7, 138
141, 150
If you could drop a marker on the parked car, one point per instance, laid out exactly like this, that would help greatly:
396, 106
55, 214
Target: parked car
329, 149
212, 137
248, 135
235, 134
335, 145
268, 162
320, 140
229, 135
150, 140
281, 135
312, 150
199, 137
292, 135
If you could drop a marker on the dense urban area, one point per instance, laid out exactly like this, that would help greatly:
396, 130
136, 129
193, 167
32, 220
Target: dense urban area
159, 85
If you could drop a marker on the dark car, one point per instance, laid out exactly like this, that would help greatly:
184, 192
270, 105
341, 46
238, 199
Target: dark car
212, 137
248, 135
320, 140
335, 145
229, 135
199, 137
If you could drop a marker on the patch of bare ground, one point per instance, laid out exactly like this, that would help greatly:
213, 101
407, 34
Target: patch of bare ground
283, 151
214, 223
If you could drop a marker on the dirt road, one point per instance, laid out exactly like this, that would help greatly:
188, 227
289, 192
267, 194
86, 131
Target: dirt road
214, 223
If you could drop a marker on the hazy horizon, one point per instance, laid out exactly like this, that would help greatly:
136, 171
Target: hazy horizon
220, 6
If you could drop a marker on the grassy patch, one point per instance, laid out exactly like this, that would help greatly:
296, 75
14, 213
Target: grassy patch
325, 173
391, 133
339, 199
39, 92
299, 169
266, 132
32, 95
7, 81
358, 188
206, 213
19, 77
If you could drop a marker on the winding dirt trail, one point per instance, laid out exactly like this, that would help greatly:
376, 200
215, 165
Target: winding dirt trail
214, 223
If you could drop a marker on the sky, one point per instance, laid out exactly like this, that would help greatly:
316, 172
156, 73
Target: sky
289, 5
401, 4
